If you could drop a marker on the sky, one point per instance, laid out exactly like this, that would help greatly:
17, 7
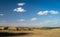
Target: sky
30, 13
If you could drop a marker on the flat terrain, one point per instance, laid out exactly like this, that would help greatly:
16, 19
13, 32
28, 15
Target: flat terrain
39, 33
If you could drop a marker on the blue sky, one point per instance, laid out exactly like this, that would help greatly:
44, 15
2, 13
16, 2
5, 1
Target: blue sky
30, 13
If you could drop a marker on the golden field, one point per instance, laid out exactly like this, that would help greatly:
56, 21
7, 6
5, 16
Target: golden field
55, 32
43, 33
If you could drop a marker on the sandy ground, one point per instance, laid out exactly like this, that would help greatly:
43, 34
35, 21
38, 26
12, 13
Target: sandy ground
42, 33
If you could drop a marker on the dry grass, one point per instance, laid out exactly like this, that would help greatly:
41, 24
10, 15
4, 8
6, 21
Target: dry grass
39, 32
42, 33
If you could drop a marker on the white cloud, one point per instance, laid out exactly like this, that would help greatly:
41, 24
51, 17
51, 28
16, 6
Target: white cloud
33, 19
46, 12
1, 14
21, 20
20, 9
42, 13
16, 24
4, 21
53, 12
45, 23
21, 4
50, 23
